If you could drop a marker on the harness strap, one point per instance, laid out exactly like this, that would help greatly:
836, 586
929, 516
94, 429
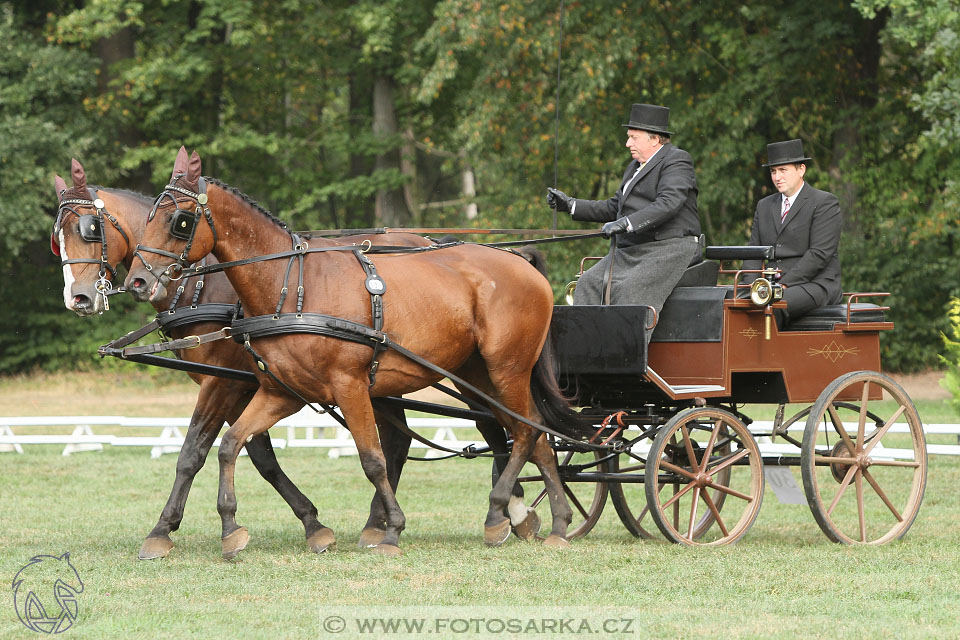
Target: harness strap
207, 312
376, 288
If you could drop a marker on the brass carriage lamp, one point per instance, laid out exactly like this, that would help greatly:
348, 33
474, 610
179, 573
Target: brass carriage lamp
764, 291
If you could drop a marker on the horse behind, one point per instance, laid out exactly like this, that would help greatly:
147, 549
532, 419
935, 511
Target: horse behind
478, 312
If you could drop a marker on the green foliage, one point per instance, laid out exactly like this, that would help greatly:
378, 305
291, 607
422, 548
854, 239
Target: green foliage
278, 99
951, 359
43, 122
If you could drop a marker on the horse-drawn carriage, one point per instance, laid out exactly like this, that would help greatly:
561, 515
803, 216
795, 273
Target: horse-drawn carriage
673, 411
658, 428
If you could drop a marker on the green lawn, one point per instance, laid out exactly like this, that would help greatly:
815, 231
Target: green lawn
784, 579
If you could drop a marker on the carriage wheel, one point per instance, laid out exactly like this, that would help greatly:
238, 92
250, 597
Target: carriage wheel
697, 454
637, 519
864, 482
586, 499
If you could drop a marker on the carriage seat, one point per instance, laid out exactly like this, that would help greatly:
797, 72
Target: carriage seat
824, 318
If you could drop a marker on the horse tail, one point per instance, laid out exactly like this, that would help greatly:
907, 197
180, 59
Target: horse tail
553, 405
534, 257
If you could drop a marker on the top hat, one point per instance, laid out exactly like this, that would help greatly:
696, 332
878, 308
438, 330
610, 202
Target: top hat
787, 152
650, 117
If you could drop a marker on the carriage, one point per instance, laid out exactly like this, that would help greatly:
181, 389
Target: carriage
659, 429
686, 458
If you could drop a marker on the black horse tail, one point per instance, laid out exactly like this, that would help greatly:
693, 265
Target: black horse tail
553, 405
534, 257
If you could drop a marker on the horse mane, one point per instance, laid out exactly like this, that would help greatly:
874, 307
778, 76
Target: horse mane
250, 201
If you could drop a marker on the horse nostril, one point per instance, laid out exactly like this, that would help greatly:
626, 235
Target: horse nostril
139, 283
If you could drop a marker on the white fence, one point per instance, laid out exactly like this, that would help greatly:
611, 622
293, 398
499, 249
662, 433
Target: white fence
306, 429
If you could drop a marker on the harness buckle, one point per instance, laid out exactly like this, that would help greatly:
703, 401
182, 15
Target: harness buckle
301, 246
365, 246
194, 346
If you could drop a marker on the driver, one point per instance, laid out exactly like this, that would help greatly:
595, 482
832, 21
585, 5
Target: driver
655, 210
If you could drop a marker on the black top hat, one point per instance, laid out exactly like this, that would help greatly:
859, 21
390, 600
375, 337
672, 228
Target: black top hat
650, 117
787, 152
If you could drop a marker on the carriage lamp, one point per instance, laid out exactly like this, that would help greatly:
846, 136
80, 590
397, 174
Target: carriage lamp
765, 290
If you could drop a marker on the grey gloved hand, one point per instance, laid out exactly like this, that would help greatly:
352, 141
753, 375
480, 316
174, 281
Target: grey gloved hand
613, 228
559, 200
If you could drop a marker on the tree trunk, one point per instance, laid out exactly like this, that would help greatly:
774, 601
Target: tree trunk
391, 207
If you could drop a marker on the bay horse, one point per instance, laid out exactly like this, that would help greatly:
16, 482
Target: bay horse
480, 312
91, 246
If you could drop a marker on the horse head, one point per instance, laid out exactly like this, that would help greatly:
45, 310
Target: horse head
91, 236
179, 232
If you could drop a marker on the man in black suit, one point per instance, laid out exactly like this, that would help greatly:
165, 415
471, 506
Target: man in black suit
803, 224
655, 210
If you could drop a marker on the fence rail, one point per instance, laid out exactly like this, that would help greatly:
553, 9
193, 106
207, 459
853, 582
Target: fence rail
306, 429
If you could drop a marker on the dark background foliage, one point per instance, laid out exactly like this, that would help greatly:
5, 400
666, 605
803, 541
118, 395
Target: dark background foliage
443, 113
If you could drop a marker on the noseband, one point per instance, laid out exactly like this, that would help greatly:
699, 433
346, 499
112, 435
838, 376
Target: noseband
91, 230
183, 226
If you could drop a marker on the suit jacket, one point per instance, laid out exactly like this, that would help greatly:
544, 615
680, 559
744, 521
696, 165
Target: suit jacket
805, 244
661, 203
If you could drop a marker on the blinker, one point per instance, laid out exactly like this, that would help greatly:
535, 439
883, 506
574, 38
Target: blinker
90, 229
181, 227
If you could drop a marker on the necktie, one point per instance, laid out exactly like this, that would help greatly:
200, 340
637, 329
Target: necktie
633, 178
786, 210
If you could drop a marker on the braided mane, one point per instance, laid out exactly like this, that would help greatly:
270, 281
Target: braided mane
250, 201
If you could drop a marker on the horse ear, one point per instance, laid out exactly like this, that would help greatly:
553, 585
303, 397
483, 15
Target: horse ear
180, 165
59, 185
193, 169
78, 175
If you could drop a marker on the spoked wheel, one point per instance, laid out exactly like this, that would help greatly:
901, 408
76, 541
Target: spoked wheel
630, 498
864, 481
586, 498
699, 454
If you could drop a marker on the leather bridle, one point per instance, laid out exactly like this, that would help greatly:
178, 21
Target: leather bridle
183, 226
91, 228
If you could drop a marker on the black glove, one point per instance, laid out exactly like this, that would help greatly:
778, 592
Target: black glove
559, 200
613, 228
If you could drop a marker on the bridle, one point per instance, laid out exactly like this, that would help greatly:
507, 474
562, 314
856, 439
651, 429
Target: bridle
91, 230
183, 226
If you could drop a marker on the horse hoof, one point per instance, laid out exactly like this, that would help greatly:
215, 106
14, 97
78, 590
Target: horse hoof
370, 537
234, 543
390, 550
497, 534
322, 540
556, 542
529, 528
154, 548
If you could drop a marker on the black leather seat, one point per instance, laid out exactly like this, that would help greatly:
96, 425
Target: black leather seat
824, 318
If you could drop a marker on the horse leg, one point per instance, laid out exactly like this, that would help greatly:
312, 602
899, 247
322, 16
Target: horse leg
524, 521
260, 449
264, 410
396, 446
207, 419
358, 412
497, 525
546, 460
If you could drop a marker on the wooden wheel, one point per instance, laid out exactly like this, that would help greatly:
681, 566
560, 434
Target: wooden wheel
697, 454
637, 518
864, 480
586, 498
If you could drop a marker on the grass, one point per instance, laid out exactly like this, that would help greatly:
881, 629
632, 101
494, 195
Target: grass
784, 579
